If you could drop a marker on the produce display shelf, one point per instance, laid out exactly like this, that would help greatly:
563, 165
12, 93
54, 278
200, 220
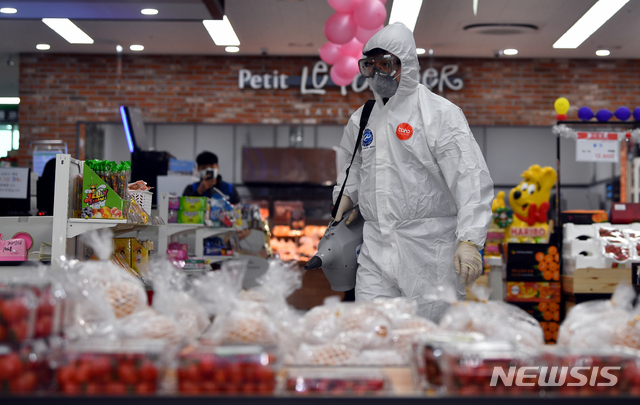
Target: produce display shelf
175, 229
78, 226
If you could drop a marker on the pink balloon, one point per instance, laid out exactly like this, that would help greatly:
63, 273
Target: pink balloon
330, 52
352, 48
363, 35
343, 6
340, 28
346, 67
337, 79
370, 14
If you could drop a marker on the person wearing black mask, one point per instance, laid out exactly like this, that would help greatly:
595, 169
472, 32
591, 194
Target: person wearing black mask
210, 180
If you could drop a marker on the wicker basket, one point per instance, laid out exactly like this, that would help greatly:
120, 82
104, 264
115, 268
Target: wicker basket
143, 198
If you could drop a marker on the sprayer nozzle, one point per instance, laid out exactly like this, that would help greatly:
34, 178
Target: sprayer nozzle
314, 263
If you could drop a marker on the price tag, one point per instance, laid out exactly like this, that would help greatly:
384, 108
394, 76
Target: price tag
597, 150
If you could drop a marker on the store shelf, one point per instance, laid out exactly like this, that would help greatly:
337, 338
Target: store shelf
219, 258
175, 229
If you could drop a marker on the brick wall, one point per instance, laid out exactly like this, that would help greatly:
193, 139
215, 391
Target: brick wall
58, 91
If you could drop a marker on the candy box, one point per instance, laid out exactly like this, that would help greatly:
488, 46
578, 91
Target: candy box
336, 381
532, 291
122, 246
190, 217
174, 203
474, 368
193, 203
139, 255
98, 199
25, 368
173, 216
213, 369
112, 367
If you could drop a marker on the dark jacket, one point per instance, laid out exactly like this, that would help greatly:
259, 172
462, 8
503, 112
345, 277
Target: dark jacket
192, 191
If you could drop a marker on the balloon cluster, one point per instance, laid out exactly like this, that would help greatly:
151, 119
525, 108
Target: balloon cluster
354, 22
561, 106
604, 115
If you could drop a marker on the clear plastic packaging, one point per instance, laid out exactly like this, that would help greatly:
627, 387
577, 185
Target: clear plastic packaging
342, 381
602, 371
616, 249
17, 314
427, 352
112, 367
469, 368
493, 319
585, 319
213, 369
609, 232
25, 369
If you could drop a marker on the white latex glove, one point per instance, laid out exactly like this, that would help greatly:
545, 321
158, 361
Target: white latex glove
467, 262
345, 205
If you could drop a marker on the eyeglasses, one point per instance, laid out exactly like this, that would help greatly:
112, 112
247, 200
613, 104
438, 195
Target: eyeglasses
386, 65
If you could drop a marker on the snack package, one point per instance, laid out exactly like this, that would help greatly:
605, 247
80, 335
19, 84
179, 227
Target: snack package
139, 256
493, 319
122, 247
585, 319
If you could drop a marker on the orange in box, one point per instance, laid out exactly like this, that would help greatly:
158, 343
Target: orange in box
530, 291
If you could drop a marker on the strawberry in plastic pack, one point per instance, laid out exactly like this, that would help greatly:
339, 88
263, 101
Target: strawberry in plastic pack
18, 310
25, 369
113, 367
228, 369
343, 381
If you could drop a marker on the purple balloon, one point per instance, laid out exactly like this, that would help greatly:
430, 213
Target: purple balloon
585, 113
622, 113
603, 115
636, 114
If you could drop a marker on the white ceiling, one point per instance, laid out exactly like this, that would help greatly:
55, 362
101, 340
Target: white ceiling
295, 27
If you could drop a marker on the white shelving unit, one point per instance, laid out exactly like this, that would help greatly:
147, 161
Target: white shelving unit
169, 230
65, 228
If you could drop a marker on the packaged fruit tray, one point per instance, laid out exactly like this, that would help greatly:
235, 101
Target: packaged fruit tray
29, 311
227, 369
112, 367
25, 369
336, 381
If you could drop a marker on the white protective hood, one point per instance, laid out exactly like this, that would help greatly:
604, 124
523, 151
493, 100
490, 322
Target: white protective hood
421, 183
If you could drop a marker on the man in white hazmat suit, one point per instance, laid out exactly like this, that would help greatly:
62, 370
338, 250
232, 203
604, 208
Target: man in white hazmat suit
420, 181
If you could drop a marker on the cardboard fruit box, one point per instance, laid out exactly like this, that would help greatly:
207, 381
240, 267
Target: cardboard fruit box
533, 262
522, 291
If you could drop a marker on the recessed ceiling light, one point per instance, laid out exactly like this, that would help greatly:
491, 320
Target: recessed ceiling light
421, 51
232, 49
405, 12
510, 51
8, 10
118, 48
43, 47
589, 23
136, 48
149, 11
603, 52
221, 32
68, 30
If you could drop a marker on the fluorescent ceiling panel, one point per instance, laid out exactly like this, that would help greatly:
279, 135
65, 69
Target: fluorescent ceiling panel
68, 30
9, 100
221, 32
589, 23
406, 12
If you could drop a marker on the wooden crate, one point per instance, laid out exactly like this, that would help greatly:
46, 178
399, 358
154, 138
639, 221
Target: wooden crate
594, 281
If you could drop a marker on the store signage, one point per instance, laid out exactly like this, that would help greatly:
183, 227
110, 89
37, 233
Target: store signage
597, 147
13, 182
8, 115
315, 82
